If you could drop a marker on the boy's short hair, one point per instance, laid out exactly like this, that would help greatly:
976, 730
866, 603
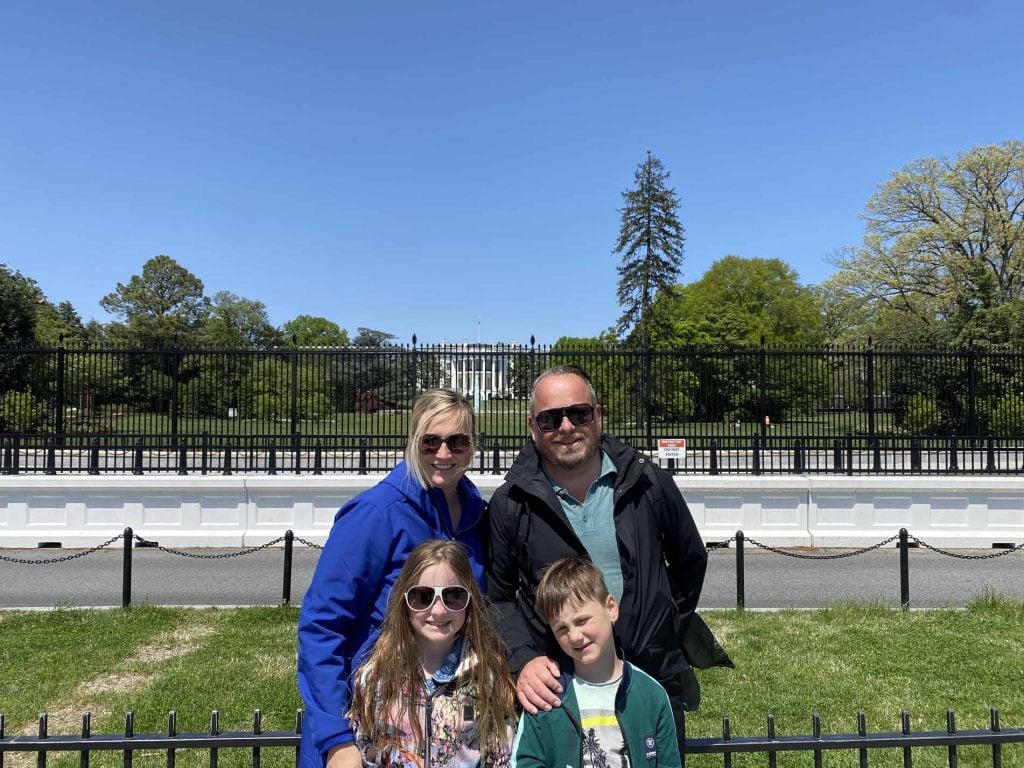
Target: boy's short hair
569, 580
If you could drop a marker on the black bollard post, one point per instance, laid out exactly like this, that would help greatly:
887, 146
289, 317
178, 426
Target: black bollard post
714, 457
94, 457
741, 598
798, 455
126, 570
904, 570
137, 457
272, 460
318, 459
954, 463
362, 455
183, 456
204, 454
757, 455
915, 454
227, 460
990, 455
837, 455
286, 588
496, 458
51, 459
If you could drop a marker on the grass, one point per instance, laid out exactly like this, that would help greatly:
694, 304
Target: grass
833, 661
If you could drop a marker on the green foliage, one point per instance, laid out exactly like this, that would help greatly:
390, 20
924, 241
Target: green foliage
312, 331
921, 416
651, 245
237, 323
164, 306
21, 412
1007, 417
944, 241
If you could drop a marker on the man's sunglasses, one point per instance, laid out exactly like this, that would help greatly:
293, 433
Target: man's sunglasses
454, 597
551, 419
457, 443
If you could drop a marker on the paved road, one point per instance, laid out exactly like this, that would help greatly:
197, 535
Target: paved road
772, 580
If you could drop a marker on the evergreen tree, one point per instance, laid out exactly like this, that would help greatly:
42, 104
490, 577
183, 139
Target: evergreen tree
651, 244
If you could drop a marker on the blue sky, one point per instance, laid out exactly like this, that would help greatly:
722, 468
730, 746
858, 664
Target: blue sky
455, 169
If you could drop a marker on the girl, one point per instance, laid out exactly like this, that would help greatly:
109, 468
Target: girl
436, 691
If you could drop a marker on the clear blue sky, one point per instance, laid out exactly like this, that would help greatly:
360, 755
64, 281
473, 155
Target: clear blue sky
454, 169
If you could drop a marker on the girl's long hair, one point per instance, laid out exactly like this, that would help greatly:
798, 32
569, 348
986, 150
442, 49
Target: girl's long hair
388, 684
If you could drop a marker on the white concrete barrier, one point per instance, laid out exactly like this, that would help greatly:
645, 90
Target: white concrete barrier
242, 511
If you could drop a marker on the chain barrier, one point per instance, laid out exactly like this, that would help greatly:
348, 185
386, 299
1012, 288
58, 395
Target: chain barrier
720, 544
65, 558
803, 556
307, 543
960, 556
221, 556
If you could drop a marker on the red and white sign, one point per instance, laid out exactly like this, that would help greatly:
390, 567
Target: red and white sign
672, 449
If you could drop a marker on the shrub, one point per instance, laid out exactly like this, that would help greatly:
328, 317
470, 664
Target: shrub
922, 416
1007, 417
22, 412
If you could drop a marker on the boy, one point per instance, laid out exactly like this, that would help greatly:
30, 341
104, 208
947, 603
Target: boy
613, 715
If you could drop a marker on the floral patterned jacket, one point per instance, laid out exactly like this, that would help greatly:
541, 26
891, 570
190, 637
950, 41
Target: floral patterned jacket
446, 708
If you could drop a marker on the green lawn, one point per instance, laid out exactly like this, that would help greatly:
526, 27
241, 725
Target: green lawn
834, 661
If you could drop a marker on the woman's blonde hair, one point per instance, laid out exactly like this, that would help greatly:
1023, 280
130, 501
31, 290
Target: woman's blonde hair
388, 682
429, 406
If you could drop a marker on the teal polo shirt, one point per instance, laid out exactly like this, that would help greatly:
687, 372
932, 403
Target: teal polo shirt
594, 523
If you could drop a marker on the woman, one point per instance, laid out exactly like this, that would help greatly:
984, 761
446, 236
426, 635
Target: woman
424, 497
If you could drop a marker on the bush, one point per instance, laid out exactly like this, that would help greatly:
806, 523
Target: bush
22, 412
1007, 417
922, 416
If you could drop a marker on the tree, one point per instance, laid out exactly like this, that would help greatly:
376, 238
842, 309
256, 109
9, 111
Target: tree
237, 323
20, 299
736, 303
55, 323
368, 337
164, 306
313, 331
944, 239
651, 244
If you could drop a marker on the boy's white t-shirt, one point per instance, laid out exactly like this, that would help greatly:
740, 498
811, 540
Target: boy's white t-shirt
603, 740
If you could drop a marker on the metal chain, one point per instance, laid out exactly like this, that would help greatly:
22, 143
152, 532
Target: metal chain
65, 558
720, 544
947, 553
307, 543
801, 556
143, 542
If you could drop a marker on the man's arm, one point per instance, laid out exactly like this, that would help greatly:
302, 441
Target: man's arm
685, 553
537, 676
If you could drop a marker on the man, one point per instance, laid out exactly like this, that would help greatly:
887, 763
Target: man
574, 491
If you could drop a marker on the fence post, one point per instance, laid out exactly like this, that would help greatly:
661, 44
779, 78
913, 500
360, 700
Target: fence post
126, 569
762, 375
175, 376
286, 588
44, 733
876, 453
51, 459
714, 457
362, 455
272, 460
227, 459
870, 384
137, 457
849, 453
837, 455
204, 456
915, 454
129, 731
798, 455
318, 459
58, 425
990, 455
954, 462
741, 597
297, 452
904, 570
972, 393
16, 455
94, 457
496, 467
757, 456
293, 415
183, 456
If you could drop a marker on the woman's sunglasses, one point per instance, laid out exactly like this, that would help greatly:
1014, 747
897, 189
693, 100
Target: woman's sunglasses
457, 443
454, 597
551, 419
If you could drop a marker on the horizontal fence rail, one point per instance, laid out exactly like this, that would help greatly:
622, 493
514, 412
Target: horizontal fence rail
863, 742
903, 540
312, 410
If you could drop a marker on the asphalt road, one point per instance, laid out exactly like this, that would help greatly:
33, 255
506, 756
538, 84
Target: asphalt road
221, 577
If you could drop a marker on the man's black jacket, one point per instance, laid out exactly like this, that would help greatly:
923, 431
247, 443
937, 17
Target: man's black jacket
663, 565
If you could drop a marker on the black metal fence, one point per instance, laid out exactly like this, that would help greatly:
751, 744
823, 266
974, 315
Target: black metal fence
870, 409
997, 742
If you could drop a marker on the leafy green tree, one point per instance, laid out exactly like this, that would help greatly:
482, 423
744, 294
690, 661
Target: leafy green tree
58, 322
237, 323
164, 306
314, 331
738, 302
369, 337
20, 299
944, 239
651, 245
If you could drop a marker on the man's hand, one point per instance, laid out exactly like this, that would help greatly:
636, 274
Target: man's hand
537, 686
344, 756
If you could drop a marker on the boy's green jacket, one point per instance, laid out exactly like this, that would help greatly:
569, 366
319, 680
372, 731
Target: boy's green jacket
555, 740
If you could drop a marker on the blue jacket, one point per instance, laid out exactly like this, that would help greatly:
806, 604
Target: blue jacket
347, 598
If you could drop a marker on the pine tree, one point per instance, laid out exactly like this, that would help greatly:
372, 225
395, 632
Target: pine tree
651, 243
